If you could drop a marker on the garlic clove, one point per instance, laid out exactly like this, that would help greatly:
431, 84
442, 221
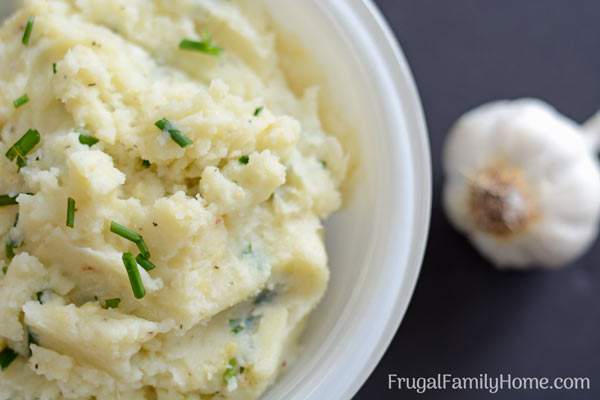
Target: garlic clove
538, 139
566, 198
454, 203
558, 243
516, 254
475, 127
522, 183
591, 129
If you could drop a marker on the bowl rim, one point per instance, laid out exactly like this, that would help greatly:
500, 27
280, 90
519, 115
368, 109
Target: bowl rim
401, 75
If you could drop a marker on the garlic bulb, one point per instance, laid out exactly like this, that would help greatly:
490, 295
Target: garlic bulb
522, 182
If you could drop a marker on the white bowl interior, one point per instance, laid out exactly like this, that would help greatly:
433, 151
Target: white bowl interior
377, 241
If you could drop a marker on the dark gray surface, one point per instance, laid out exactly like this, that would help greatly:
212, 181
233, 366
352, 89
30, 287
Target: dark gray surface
467, 318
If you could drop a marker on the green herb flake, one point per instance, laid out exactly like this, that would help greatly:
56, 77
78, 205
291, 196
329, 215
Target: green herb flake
258, 111
134, 276
144, 262
323, 164
236, 325
54, 68
8, 200
244, 160
23, 146
178, 137
21, 101
231, 371
87, 139
9, 249
204, 45
71, 212
5, 269
111, 303
28, 30
38, 297
146, 164
7, 356
247, 250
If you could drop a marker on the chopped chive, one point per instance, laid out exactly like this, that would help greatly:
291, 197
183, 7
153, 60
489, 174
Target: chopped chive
244, 160
16, 220
88, 140
5, 269
131, 235
231, 371
146, 163
21, 101
38, 296
141, 245
134, 276
7, 356
162, 124
7, 200
178, 137
23, 146
125, 232
111, 303
144, 262
54, 69
204, 45
71, 212
258, 111
28, 30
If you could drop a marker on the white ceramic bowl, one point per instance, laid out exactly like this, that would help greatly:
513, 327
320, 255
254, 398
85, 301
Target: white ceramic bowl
376, 242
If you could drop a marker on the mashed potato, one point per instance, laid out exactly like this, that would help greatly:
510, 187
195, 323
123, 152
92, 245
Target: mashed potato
227, 194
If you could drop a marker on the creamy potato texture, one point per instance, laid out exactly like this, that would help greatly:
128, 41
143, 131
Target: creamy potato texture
232, 221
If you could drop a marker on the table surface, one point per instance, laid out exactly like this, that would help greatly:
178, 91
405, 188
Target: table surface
467, 318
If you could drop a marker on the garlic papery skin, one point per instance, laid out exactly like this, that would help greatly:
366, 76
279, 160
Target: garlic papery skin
522, 182
500, 201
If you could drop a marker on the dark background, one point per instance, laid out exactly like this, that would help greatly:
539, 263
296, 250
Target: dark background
467, 318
